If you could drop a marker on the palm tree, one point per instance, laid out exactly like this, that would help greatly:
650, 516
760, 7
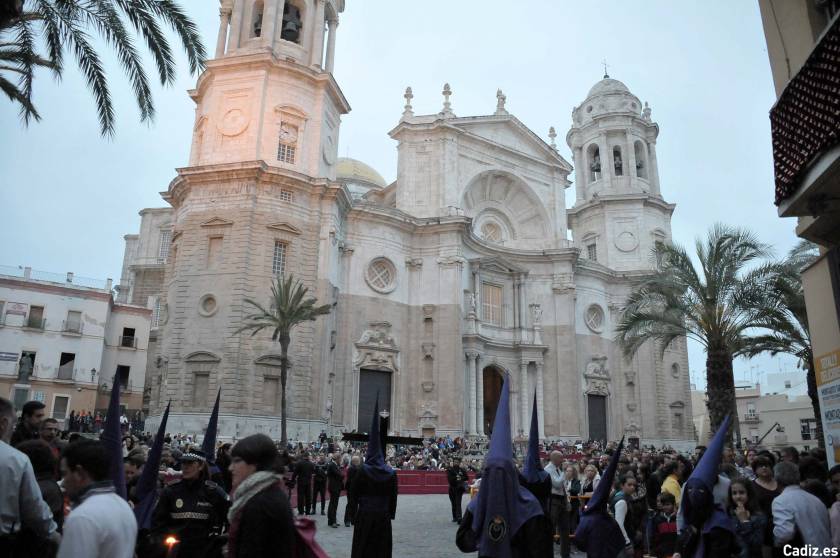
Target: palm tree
65, 25
720, 305
289, 308
789, 333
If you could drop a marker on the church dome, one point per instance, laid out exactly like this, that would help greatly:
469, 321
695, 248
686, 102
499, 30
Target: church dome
352, 171
606, 86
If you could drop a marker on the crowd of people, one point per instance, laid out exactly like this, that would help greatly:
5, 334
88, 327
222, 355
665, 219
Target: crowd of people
237, 501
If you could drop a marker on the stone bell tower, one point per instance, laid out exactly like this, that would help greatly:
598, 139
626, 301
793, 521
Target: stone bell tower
269, 94
619, 214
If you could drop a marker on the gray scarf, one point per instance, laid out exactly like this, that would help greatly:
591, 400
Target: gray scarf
249, 488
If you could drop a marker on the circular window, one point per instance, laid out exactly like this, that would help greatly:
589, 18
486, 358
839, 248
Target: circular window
594, 318
626, 241
491, 232
589, 108
207, 305
381, 275
675, 370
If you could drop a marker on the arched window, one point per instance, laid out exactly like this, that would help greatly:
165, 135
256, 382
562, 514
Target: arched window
641, 160
292, 23
594, 159
617, 162
287, 148
257, 19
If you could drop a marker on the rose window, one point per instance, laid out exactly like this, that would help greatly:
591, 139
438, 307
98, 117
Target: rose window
381, 275
594, 318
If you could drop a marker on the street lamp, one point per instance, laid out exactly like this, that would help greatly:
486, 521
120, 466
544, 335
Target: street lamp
93, 374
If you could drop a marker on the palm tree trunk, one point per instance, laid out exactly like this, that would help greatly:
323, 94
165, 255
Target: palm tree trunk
284, 368
720, 390
811, 376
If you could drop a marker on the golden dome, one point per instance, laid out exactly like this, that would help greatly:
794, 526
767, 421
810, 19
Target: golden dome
351, 170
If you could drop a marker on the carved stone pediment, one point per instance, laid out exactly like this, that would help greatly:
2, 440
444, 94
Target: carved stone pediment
376, 348
284, 227
597, 376
377, 335
217, 222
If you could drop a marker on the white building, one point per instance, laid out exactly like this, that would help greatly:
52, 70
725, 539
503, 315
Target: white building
454, 278
62, 340
792, 384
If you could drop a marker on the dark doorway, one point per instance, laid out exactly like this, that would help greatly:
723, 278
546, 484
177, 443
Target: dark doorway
493, 380
372, 382
597, 418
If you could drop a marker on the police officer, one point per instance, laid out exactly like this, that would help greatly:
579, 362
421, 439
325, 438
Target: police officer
319, 484
193, 510
457, 478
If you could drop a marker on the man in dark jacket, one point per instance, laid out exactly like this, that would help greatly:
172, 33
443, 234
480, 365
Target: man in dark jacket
319, 484
457, 478
28, 428
304, 470
352, 471
334, 482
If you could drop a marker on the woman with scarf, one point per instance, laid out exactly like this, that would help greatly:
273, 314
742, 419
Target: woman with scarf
260, 517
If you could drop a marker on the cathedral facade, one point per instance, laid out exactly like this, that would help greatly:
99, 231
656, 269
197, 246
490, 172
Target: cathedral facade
467, 271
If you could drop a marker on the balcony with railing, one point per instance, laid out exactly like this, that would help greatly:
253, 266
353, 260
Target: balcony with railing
805, 125
33, 322
72, 327
751, 418
127, 342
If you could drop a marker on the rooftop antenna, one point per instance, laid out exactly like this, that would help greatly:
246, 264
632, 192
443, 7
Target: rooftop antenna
604, 62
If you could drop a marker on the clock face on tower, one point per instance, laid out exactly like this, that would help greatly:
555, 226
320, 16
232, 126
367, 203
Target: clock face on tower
626, 241
233, 122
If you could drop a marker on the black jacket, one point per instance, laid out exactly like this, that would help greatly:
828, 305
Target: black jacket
192, 510
264, 527
320, 473
23, 433
335, 479
304, 470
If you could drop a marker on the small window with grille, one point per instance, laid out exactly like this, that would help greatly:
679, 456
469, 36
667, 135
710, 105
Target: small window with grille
163, 248
278, 262
156, 314
287, 149
286, 196
592, 252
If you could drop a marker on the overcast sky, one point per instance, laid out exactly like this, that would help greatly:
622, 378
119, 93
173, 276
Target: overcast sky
69, 196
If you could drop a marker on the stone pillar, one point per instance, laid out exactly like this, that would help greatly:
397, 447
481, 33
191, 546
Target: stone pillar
317, 52
540, 400
517, 336
272, 19
235, 27
523, 398
224, 16
606, 158
471, 393
653, 169
521, 299
581, 174
477, 292
333, 26
630, 158
479, 383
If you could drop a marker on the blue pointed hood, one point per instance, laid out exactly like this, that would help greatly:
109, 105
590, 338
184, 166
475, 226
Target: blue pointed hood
208, 445
502, 505
533, 471
147, 483
601, 495
706, 470
111, 438
374, 463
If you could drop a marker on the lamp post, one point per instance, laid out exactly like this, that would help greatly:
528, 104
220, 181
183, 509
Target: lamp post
93, 374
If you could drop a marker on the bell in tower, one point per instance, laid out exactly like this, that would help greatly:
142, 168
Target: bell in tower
291, 24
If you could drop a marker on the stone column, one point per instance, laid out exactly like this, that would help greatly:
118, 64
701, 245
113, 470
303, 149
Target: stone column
540, 400
235, 27
523, 397
517, 336
271, 21
653, 169
580, 175
332, 24
522, 306
317, 52
479, 383
477, 292
630, 158
224, 16
471, 392
606, 158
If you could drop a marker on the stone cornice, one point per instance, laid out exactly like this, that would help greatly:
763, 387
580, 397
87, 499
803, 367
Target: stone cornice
268, 61
61, 290
603, 200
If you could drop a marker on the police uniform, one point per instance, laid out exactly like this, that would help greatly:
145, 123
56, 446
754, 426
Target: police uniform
192, 511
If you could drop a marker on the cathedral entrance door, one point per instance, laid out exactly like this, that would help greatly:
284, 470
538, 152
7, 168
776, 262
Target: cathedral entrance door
493, 379
372, 382
597, 417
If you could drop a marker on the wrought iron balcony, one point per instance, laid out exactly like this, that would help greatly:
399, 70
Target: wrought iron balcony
806, 139
35, 323
751, 417
72, 327
128, 342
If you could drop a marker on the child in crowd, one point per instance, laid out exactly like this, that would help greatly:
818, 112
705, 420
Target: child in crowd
743, 507
662, 529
